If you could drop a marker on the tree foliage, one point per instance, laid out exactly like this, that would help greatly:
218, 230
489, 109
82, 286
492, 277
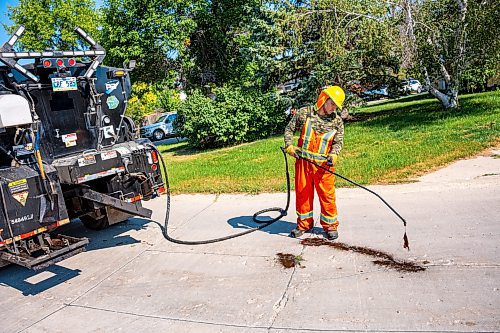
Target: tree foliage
240, 51
50, 24
347, 43
153, 32
148, 98
482, 58
449, 39
222, 47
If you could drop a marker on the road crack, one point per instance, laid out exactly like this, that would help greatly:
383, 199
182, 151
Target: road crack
281, 303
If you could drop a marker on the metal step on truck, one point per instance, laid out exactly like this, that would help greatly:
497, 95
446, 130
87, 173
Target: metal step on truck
67, 151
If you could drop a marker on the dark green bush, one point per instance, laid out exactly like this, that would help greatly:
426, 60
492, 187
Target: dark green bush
233, 115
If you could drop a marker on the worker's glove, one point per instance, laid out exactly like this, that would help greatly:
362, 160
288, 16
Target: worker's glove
331, 160
291, 150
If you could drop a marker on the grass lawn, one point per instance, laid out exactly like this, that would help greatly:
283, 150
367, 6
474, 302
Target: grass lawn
393, 141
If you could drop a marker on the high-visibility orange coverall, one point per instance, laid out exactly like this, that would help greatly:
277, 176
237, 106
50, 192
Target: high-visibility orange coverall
315, 146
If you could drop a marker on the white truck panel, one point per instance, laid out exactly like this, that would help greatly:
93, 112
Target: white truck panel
14, 111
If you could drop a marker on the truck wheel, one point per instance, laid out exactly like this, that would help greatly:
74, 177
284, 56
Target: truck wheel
95, 224
158, 135
128, 130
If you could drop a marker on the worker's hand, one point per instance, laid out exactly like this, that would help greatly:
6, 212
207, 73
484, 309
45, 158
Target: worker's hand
291, 150
331, 160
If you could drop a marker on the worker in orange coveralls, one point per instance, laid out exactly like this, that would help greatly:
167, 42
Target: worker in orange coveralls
321, 140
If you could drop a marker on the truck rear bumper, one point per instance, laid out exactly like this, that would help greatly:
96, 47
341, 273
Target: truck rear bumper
33, 232
55, 250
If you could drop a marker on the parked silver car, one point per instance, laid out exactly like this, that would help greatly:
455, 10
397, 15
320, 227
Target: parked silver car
411, 86
162, 128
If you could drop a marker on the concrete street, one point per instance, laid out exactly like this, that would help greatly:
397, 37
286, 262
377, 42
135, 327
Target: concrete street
132, 280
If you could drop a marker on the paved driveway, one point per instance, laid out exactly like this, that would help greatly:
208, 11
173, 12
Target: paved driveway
132, 280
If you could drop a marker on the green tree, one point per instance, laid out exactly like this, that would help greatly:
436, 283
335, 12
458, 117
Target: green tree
144, 101
217, 45
148, 98
268, 46
153, 32
449, 38
233, 58
51, 23
338, 42
482, 59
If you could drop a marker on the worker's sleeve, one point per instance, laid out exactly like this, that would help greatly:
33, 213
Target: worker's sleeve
290, 129
338, 140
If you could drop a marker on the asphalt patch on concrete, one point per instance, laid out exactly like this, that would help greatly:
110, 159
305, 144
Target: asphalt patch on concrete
382, 258
288, 260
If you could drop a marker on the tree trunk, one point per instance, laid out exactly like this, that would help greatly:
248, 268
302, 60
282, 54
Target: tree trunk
449, 100
450, 72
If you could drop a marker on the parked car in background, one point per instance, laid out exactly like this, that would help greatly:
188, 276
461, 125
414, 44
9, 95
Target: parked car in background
160, 129
411, 86
380, 92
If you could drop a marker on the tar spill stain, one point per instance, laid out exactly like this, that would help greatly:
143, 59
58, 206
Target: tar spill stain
287, 260
383, 259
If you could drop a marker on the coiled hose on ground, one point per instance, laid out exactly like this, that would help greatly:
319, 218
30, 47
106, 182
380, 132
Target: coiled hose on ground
262, 224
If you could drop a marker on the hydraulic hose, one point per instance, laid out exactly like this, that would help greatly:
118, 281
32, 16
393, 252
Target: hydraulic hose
406, 243
263, 224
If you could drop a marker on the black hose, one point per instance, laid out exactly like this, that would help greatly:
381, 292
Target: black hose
406, 243
358, 185
263, 224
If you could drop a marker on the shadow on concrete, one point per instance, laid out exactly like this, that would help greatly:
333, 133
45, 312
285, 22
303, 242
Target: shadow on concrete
115, 235
34, 282
19, 278
278, 227
31, 282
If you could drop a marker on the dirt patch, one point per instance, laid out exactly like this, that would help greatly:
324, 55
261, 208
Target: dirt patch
288, 260
383, 258
491, 151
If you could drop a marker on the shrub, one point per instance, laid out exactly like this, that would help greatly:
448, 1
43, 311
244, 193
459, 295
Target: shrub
168, 99
233, 115
146, 98
143, 101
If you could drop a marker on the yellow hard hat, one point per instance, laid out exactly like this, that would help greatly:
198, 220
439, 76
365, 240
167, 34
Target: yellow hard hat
335, 93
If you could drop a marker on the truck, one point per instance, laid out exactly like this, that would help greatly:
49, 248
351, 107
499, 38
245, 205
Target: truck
67, 151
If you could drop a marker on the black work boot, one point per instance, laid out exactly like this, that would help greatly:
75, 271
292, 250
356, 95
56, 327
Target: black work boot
296, 233
332, 235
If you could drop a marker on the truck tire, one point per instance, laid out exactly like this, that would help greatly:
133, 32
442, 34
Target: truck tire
158, 135
95, 224
129, 131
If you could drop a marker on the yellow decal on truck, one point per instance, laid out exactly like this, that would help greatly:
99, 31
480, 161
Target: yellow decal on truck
19, 190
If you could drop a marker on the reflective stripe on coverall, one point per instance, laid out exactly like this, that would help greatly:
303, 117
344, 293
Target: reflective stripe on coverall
314, 146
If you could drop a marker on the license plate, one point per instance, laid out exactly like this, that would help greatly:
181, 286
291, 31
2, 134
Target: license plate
64, 83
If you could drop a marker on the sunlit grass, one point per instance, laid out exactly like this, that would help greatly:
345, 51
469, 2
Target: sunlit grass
393, 141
